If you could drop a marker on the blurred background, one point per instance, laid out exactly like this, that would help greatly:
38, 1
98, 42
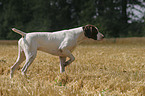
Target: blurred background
114, 18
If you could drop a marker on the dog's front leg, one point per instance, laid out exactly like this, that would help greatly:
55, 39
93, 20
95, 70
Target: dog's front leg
68, 54
62, 63
64, 49
72, 58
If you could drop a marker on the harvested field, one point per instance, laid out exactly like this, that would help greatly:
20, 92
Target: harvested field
113, 67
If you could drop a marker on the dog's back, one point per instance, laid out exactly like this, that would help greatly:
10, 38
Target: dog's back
50, 42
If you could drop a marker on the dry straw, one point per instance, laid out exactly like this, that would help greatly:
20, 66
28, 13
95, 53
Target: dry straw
113, 67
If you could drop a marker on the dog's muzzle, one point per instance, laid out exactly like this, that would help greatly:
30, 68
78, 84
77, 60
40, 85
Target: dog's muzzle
100, 36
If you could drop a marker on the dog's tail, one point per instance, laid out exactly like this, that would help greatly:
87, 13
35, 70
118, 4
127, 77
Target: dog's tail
19, 32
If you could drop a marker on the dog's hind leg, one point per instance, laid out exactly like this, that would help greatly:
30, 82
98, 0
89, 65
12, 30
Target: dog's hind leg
20, 59
30, 56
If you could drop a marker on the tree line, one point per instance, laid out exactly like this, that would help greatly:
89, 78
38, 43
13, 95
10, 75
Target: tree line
110, 16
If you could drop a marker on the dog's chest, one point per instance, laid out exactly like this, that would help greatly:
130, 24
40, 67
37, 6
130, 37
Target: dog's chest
55, 50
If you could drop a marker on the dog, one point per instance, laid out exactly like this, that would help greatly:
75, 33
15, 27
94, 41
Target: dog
59, 43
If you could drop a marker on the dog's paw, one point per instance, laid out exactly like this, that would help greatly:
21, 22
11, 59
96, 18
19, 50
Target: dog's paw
11, 76
66, 63
24, 74
62, 69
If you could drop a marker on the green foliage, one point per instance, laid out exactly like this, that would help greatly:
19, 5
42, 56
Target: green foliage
111, 17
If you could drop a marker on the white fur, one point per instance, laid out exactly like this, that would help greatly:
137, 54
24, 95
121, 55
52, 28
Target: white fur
60, 43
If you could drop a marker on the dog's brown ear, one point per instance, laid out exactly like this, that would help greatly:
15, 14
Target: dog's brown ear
87, 31
90, 31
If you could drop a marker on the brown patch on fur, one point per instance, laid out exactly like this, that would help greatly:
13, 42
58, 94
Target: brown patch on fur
91, 31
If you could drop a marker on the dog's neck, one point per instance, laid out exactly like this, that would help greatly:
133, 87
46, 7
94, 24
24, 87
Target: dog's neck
80, 33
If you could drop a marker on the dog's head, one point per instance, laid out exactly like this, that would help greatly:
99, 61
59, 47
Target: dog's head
91, 31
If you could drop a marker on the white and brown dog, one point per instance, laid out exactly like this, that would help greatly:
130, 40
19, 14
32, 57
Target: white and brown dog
60, 43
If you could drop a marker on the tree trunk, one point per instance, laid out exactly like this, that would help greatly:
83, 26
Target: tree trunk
124, 11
